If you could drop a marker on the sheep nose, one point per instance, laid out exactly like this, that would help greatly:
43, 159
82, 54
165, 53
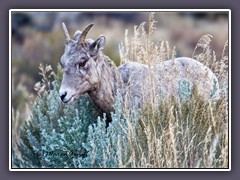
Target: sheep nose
63, 95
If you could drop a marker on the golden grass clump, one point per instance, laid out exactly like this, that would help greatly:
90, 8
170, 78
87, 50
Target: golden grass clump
178, 133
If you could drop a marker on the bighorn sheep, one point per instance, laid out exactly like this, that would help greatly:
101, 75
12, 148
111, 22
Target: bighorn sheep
86, 70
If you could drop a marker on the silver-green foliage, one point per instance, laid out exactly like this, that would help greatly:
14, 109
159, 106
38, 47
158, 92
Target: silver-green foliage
54, 134
181, 133
70, 136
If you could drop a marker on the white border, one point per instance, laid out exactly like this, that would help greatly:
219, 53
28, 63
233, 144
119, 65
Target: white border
116, 10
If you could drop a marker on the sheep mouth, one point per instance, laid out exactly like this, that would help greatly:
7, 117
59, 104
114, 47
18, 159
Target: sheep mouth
69, 100
73, 97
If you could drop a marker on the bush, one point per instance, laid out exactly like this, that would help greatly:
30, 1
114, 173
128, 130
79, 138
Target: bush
175, 134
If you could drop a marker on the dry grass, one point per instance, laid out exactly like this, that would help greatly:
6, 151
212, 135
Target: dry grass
177, 133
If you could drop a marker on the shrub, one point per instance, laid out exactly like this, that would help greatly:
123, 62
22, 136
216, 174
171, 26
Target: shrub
175, 134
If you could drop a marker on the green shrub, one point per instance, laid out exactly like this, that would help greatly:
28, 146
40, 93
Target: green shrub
175, 134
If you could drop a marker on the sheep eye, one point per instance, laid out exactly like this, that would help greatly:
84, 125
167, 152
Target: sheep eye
82, 64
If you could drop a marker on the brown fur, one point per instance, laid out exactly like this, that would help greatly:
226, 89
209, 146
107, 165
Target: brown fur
86, 70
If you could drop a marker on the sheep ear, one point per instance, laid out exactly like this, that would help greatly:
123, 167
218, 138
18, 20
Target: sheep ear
97, 45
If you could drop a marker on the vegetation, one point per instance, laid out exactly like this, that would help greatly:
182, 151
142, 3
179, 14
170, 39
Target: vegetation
183, 132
